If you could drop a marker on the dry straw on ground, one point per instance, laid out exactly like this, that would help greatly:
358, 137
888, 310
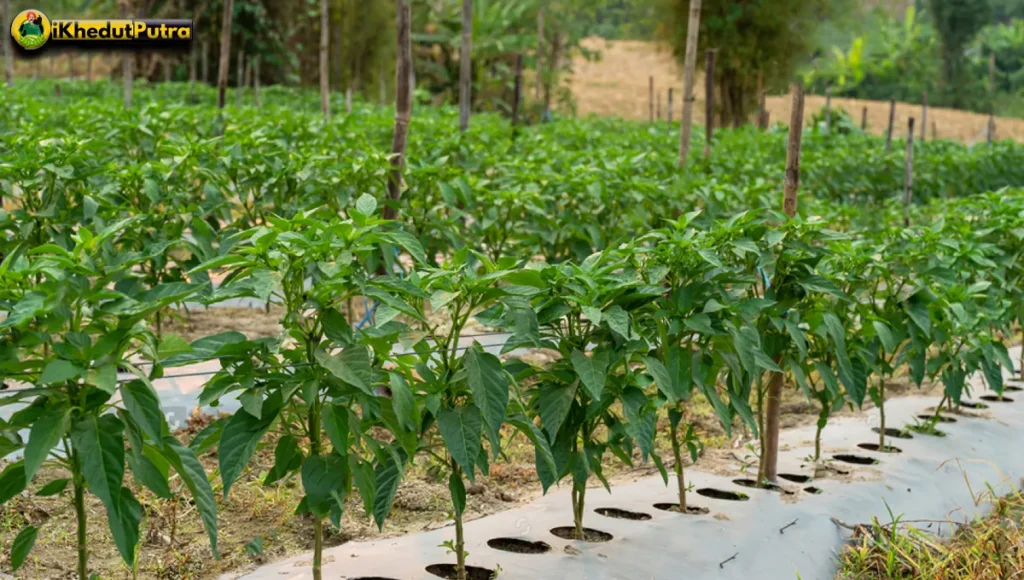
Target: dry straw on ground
617, 85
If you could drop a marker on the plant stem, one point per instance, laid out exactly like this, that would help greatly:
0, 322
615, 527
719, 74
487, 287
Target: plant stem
678, 456
881, 414
318, 522
460, 540
80, 516
579, 492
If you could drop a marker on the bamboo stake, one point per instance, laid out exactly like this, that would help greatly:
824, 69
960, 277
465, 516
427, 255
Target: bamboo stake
403, 107
8, 45
383, 89
650, 99
762, 110
658, 116
770, 453
127, 74
225, 53
892, 119
908, 173
517, 95
686, 118
88, 68
709, 102
924, 115
466, 66
325, 96
991, 133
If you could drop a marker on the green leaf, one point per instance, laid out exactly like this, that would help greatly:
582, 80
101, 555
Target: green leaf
555, 402
351, 365
489, 384
46, 433
336, 419
544, 458
191, 471
458, 493
143, 406
366, 204
103, 378
147, 473
238, 442
618, 320
59, 371
287, 458
387, 476
12, 481
322, 477
406, 410
461, 428
55, 487
885, 336
592, 370
100, 446
22, 545
662, 378
171, 345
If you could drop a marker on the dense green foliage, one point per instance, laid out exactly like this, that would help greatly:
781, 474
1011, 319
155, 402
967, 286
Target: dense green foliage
655, 286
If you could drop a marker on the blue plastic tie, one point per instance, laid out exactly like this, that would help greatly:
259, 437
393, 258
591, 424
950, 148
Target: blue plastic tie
372, 309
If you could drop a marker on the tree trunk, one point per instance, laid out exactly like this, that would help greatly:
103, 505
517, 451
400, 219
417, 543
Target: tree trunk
8, 46
552, 74
689, 67
256, 81
204, 61
709, 102
892, 119
540, 51
383, 90
466, 66
517, 95
225, 53
403, 107
670, 95
325, 96
908, 173
770, 452
239, 76
762, 109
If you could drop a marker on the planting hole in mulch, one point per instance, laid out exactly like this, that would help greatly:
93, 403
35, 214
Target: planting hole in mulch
450, 572
690, 509
519, 546
589, 534
973, 405
996, 399
719, 494
623, 514
874, 447
813, 490
767, 485
855, 459
1012, 388
897, 433
941, 418
795, 477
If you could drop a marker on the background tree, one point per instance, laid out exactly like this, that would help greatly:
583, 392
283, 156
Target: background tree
957, 21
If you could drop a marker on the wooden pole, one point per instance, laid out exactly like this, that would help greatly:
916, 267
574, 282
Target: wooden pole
770, 453
466, 65
670, 105
225, 53
192, 73
383, 89
517, 95
658, 116
325, 30
167, 70
71, 66
540, 52
8, 44
892, 119
762, 110
828, 109
204, 62
403, 107
709, 102
991, 133
864, 119
689, 71
127, 74
908, 173
924, 115
239, 77
88, 68
256, 81
348, 100
650, 99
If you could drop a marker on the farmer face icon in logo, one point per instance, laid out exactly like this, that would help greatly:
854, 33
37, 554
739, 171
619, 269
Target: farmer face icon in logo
30, 29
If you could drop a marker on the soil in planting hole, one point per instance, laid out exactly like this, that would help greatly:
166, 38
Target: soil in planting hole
941, 418
855, 459
897, 433
690, 509
450, 572
875, 447
767, 485
519, 546
996, 399
973, 405
1012, 388
623, 514
795, 477
589, 534
813, 490
719, 494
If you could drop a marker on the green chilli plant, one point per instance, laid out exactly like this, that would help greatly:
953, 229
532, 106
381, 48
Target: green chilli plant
319, 384
75, 343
